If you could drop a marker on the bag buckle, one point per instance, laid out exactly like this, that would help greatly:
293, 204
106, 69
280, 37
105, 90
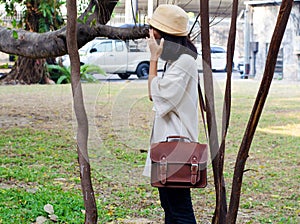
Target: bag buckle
194, 167
194, 170
163, 170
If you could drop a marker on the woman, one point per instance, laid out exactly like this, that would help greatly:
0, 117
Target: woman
174, 96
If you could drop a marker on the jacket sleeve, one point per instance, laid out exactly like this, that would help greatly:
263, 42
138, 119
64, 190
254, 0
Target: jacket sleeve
168, 91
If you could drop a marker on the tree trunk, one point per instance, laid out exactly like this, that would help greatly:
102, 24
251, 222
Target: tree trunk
26, 71
221, 205
82, 121
53, 44
282, 19
21, 70
216, 156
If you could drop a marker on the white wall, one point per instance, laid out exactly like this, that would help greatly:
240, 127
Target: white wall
263, 23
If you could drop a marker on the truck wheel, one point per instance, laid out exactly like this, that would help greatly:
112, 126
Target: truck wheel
143, 71
124, 76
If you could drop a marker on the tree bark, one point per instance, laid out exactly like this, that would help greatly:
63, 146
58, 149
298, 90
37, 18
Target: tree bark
53, 44
261, 97
28, 70
221, 205
210, 112
82, 121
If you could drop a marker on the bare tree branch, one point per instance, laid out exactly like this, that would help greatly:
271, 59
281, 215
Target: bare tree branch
82, 121
210, 108
282, 19
53, 44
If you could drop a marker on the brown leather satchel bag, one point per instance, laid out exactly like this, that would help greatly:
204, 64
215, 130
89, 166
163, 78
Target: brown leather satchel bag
178, 162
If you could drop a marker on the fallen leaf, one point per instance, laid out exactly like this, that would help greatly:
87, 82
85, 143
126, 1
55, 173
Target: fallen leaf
49, 209
53, 217
40, 220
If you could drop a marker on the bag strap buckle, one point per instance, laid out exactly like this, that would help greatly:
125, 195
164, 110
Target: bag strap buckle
163, 170
194, 170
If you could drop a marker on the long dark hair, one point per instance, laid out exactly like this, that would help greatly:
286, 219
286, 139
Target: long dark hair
174, 46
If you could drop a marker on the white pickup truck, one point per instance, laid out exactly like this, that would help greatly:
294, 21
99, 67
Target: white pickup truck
116, 56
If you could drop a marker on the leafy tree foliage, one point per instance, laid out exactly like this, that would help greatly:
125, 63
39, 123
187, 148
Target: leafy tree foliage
47, 14
38, 16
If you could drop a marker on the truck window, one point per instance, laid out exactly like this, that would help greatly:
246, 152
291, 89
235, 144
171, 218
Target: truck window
217, 50
104, 47
119, 45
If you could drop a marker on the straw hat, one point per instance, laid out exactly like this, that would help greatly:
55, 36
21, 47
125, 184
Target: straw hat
170, 19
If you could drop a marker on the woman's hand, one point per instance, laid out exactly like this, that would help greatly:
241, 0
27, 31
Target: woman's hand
155, 49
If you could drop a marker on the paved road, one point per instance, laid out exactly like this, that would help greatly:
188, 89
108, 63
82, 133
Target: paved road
115, 78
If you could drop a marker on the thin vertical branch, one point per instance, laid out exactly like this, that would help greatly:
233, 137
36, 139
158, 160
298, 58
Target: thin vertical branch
82, 121
210, 107
222, 206
282, 19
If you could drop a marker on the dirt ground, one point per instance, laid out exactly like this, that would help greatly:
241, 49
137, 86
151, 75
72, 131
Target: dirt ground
49, 107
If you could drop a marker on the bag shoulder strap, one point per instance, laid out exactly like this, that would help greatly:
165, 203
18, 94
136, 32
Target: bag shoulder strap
202, 107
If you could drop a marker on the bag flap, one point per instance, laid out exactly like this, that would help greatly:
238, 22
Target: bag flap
179, 152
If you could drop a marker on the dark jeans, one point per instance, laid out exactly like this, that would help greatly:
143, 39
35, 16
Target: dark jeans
177, 204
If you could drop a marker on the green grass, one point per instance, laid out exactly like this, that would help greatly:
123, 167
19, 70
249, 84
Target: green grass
21, 206
38, 159
37, 168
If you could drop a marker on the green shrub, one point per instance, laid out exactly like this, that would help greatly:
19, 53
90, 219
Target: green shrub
61, 74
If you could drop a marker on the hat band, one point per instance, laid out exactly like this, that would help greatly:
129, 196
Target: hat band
168, 28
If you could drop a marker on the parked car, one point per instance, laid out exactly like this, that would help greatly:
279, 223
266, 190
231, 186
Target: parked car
218, 57
239, 62
115, 56
240, 67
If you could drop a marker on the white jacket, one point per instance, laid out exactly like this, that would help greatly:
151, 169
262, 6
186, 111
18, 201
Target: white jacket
175, 98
